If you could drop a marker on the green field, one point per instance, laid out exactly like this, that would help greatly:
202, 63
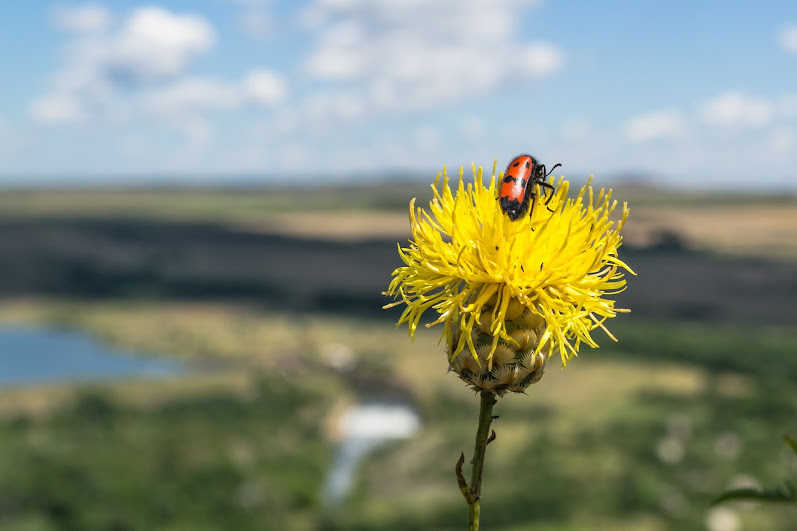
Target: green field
639, 434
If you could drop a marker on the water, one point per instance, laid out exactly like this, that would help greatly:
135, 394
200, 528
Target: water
363, 428
30, 355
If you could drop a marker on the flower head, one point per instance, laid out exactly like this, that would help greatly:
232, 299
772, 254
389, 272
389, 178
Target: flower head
512, 292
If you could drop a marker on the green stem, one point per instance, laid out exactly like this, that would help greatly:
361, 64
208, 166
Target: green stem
472, 493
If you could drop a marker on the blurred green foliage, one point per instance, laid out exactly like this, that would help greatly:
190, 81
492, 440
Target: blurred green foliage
212, 462
652, 457
786, 492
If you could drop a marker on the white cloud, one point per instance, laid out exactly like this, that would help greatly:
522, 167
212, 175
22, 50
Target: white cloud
154, 43
787, 106
255, 18
542, 60
139, 68
57, 109
782, 141
87, 18
256, 23
325, 111
737, 110
190, 94
787, 38
664, 124
265, 87
150, 45
198, 131
416, 55
763, 134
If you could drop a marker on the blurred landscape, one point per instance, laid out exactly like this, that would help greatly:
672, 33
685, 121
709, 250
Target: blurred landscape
272, 299
200, 207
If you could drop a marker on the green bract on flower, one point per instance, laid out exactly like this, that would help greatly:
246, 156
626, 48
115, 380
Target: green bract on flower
510, 293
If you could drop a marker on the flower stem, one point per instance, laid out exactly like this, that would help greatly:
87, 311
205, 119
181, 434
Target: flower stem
473, 492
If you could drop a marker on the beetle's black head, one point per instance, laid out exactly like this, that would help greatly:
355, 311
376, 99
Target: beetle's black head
539, 173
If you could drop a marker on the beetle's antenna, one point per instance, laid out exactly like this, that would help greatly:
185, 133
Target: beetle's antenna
552, 169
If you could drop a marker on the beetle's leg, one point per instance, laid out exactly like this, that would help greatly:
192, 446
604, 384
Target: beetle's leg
531, 210
551, 187
544, 185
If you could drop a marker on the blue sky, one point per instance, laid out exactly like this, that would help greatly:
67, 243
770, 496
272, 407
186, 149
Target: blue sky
696, 94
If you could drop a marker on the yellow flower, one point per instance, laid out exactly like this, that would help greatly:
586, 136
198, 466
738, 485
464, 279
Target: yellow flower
535, 285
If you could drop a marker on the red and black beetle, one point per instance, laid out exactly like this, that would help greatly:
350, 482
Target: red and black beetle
517, 188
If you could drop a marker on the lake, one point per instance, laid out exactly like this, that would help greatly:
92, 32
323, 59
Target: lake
32, 355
